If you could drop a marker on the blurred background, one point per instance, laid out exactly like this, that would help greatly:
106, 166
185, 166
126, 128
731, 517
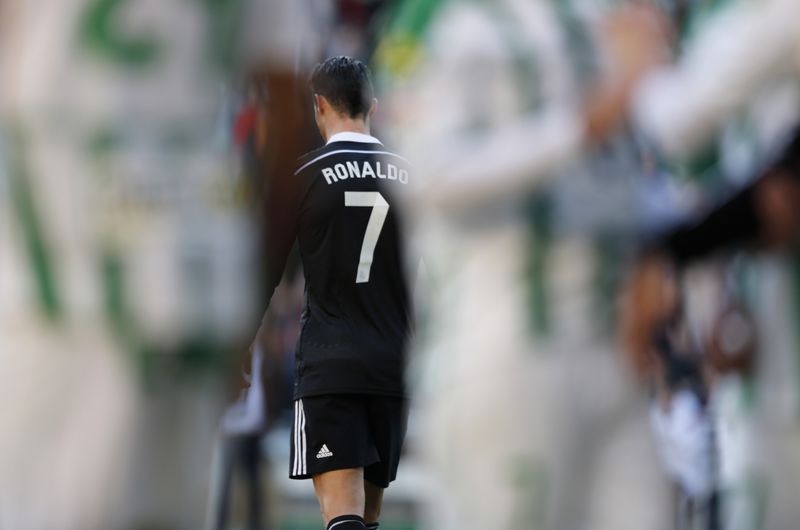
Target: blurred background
606, 200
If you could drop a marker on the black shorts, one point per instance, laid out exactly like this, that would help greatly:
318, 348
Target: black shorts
345, 431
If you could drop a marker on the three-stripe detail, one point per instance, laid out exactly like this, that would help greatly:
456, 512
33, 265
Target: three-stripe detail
299, 465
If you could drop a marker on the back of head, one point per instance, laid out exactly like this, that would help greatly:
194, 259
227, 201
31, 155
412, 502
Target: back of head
345, 83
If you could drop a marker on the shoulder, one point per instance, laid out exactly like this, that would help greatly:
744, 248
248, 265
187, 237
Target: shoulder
309, 158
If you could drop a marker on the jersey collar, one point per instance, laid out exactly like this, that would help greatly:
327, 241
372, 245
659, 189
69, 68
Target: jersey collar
347, 136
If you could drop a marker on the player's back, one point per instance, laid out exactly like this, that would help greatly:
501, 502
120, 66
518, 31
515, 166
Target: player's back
356, 319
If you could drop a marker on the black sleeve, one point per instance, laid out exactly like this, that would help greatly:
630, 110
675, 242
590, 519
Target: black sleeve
282, 209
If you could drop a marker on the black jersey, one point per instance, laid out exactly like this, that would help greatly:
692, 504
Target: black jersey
340, 206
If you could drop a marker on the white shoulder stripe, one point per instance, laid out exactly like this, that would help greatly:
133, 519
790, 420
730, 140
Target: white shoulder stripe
325, 155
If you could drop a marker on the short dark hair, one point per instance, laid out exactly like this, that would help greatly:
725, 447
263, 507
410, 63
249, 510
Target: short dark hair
345, 83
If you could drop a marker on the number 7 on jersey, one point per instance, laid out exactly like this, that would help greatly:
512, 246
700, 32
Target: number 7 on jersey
380, 208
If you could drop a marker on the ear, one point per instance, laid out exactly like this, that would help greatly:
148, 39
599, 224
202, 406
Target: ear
320, 104
373, 108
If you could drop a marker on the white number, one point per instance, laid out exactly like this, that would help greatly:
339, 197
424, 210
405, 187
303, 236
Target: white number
380, 208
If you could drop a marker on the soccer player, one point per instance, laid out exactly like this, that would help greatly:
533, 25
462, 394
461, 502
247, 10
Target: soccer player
350, 412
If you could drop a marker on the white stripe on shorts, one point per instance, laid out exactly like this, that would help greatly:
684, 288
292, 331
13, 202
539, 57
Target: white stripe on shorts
303, 466
296, 439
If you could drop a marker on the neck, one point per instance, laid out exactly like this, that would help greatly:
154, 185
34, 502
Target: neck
347, 125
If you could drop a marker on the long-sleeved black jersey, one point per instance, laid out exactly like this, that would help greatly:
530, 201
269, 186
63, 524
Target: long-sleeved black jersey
340, 206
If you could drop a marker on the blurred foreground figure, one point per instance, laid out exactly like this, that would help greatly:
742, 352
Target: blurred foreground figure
126, 260
489, 108
528, 419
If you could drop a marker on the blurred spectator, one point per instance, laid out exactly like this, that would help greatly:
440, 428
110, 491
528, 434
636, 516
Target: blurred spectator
128, 260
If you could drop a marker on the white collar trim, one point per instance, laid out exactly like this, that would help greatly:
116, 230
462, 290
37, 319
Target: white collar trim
347, 136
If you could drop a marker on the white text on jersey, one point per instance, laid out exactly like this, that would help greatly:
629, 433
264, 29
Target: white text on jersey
359, 170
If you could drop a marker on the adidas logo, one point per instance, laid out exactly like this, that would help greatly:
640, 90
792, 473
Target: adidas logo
324, 452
